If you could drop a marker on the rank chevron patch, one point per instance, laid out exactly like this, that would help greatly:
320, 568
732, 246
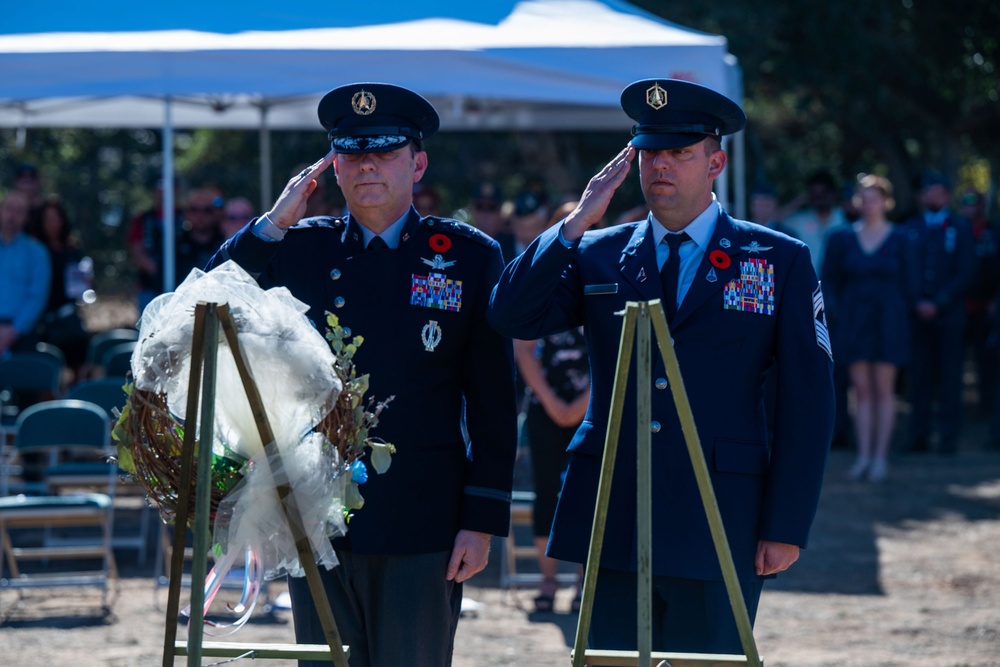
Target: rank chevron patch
819, 315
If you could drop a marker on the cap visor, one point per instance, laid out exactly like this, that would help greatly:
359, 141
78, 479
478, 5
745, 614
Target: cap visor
377, 144
659, 142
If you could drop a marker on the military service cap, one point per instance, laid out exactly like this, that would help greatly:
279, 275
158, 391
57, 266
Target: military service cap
375, 117
672, 114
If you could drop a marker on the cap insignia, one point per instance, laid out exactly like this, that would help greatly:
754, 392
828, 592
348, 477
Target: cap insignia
363, 103
656, 96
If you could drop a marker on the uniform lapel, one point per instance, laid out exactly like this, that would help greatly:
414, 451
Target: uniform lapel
638, 262
719, 265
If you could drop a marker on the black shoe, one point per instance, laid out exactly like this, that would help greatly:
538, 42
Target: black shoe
918, 446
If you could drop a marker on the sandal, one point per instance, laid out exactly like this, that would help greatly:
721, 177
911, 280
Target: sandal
545, 603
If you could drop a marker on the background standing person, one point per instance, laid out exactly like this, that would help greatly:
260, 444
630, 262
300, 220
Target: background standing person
557, 373
72, 274
980, 313
239, 212
486, 211
24, 275
740, 299
417, 290
201, 234
945, 263
866, 274
144, 240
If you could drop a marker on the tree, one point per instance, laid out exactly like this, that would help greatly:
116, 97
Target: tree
888, 86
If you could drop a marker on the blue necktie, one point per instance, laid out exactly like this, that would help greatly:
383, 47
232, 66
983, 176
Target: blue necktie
669, 274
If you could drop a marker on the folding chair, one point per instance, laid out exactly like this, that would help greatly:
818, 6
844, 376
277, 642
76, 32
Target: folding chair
117, 359
50, 428
25, 378
109, 393
101, 342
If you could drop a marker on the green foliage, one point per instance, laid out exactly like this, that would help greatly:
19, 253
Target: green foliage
853, 87
892, 87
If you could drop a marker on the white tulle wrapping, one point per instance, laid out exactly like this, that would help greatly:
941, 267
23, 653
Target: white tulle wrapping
293, 368
251, 515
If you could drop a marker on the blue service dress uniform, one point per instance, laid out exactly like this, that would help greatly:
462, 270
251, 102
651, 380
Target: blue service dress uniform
754, 304
421, 310
945, 258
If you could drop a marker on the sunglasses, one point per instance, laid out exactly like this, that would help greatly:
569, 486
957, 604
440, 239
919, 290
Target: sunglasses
201, 209
488, 206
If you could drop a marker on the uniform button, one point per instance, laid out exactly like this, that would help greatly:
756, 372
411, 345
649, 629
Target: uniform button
347, 332
335, 274
339, 302
661, 383
654, 426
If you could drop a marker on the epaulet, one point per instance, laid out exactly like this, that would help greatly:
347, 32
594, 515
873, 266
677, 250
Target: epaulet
455, 227
319, 222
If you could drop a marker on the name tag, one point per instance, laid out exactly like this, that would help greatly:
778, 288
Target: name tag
609, 288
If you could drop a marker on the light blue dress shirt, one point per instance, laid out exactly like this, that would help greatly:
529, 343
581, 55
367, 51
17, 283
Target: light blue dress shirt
691, 252
25, 274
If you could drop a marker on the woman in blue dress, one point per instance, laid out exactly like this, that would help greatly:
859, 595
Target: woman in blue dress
865, 279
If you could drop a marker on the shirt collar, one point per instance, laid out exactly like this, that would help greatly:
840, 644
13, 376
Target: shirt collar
700, 229
390, 235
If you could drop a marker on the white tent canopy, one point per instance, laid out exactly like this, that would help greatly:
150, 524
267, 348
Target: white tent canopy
494, 64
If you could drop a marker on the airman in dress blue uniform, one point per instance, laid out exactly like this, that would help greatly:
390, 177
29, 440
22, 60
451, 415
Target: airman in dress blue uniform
740, 299
417, 290
946, 262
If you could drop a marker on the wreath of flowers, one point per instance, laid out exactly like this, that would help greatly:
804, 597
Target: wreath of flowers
150, 438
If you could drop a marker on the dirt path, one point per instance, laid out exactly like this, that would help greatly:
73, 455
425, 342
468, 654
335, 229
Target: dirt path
902, 574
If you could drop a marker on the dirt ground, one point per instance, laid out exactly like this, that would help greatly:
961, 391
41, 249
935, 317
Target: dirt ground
905, 573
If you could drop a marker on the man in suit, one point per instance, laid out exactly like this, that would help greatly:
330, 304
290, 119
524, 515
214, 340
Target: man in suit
417, 290
740, 299
946, 263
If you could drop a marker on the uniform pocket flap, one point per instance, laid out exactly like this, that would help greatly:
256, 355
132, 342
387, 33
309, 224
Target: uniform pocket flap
741, 456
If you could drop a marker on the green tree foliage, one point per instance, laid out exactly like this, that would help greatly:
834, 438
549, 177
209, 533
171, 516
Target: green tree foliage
894, 86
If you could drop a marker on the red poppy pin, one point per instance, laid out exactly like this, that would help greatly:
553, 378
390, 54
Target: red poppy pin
719, 259
440, 243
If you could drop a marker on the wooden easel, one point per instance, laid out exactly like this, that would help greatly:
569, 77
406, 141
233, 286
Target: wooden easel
636, 328
204, 352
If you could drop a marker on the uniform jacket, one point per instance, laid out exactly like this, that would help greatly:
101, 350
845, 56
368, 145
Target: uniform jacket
946, 262
724, 353
421, 310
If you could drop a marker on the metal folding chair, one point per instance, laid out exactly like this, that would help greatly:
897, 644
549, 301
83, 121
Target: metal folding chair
25, 378
109, 393
101, 342
26, 522
117, 359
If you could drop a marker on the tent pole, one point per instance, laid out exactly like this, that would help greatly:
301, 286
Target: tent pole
169, 226
265, 161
